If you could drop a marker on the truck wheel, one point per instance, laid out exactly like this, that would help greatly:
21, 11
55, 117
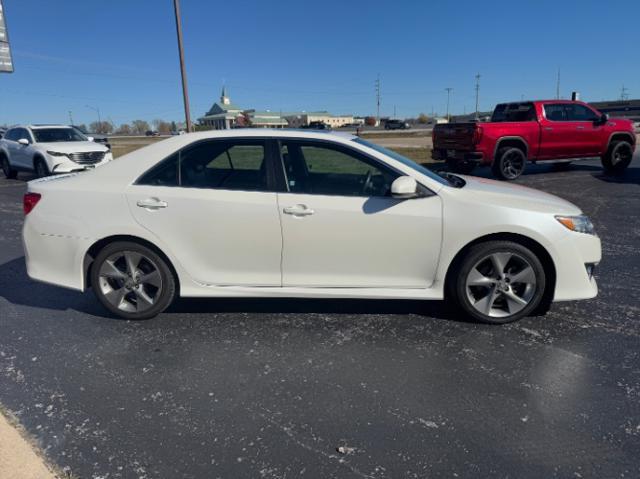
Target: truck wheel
40, 168
617, 157
498, 282
9, 172
509, 163
462, 167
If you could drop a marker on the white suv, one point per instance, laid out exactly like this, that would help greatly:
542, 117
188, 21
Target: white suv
49, 149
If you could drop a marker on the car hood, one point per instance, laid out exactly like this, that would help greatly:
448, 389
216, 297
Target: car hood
512, 195
73, 146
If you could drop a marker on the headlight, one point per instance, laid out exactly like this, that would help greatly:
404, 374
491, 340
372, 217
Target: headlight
579, 224
56, 153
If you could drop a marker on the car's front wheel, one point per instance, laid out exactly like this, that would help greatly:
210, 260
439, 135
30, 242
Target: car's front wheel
9, 172
618, 157
132, 281
498, 282
40, 168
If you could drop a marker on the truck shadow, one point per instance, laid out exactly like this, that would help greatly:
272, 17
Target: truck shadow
19, 290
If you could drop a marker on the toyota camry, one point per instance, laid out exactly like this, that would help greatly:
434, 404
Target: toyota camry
265, 213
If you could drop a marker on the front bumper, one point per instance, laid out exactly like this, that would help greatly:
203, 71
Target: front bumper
61, 164
576, 260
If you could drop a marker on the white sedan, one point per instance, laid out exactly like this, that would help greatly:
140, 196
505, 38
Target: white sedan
265, 213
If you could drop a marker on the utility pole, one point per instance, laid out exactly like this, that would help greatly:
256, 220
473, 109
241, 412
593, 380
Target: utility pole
558, 86
623, 93
378, 100
394, 111
183, 73
477, 92
70, 118
448, 89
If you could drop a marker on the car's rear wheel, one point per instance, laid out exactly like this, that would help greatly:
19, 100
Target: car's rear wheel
618, 157
132, 281
9, 172
509, 163
498, 282
40, 168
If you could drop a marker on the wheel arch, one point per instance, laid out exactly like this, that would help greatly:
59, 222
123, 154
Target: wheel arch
539, 250
515, 141
96, 247
620, 136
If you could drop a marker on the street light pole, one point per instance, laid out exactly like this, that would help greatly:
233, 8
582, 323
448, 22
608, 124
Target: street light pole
448, 95
185, 93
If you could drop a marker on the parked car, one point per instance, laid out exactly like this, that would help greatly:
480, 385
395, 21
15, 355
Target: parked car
558, 131
152, 133
285, 213
97, 137
396, 125
2, 132
48, 149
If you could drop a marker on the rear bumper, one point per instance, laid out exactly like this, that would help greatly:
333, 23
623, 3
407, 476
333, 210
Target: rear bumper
457, 155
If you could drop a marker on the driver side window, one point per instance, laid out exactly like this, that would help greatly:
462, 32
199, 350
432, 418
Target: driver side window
325, 169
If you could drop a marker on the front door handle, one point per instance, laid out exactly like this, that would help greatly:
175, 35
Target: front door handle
152, 204
548, 128
298, 210
580, 127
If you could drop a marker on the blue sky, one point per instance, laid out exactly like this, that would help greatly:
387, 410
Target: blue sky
121, 55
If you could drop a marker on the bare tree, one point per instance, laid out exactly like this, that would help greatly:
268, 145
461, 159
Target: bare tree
140, 127
101, 127
124, 129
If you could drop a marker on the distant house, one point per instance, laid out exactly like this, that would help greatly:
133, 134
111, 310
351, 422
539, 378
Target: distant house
304, 118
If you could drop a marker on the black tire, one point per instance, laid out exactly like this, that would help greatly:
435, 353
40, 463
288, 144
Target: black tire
128, 290
502, 308
9, 172
40, 167
618, 157
509, 163
460, 166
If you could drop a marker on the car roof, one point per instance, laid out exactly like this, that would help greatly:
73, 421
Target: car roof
42, 125
269, 132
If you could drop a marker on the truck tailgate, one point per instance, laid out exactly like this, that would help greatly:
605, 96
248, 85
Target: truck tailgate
454, 136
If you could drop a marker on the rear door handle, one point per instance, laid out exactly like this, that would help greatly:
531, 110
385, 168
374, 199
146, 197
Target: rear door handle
298, 210
152, 204
548, 128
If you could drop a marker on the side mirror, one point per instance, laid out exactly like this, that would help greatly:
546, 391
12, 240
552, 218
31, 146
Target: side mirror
603, 119
90, 138
404, 187
23, 141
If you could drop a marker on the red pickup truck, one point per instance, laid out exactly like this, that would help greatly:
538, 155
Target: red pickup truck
554, 131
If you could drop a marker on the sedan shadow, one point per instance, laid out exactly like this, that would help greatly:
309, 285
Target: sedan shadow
18, 289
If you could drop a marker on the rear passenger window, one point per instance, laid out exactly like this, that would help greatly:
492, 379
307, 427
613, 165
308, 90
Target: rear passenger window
217, 164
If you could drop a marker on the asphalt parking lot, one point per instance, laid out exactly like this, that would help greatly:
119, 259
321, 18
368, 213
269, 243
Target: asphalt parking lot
271, 388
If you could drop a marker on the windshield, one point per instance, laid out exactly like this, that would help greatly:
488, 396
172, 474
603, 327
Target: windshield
52, 135
405, 161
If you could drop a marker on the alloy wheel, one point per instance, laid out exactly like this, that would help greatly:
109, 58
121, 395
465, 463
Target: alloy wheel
130, 281
621, 154
501, 284
512, 165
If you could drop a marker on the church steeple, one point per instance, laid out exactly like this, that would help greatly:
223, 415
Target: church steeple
224, 99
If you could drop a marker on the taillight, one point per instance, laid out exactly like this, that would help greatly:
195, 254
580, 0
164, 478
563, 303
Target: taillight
30, 201
477, 135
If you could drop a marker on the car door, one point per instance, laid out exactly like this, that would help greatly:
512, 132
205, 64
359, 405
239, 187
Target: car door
213, 205
561, 136
590, 131
342, 229
24, 153
15, 149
